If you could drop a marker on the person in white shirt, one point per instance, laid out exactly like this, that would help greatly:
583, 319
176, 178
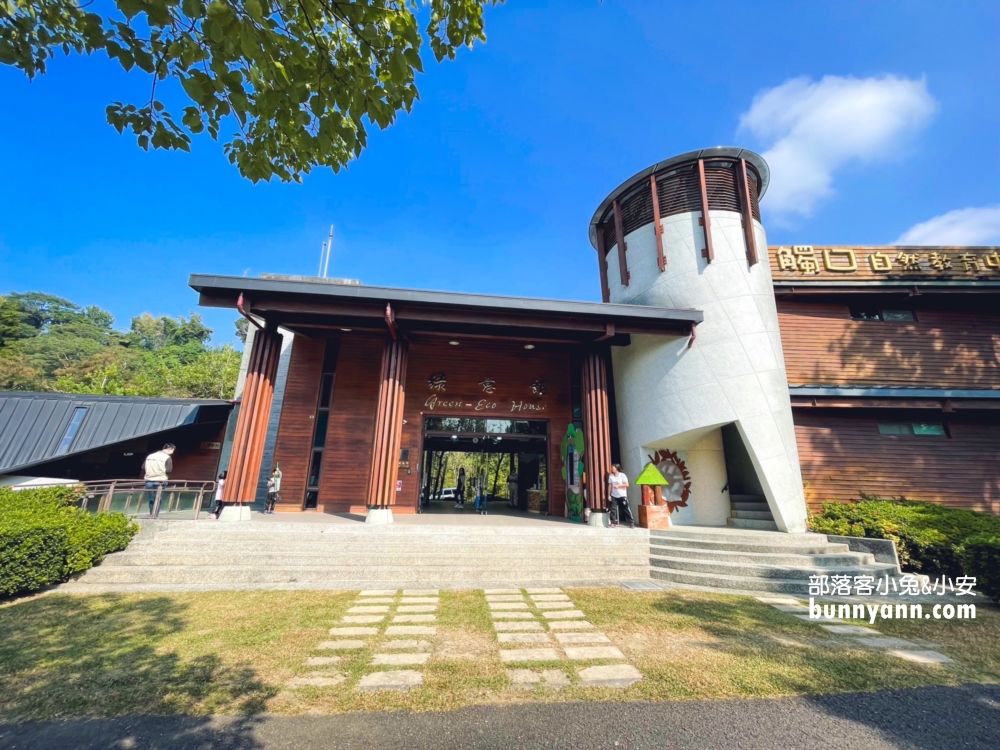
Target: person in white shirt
619, 497
156, 469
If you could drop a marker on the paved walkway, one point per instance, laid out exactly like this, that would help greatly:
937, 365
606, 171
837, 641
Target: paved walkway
944, 718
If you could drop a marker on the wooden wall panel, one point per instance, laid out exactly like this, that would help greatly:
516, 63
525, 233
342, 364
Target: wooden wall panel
843, 455
193, 462
514, 369
946, 349
347, 458
298, 414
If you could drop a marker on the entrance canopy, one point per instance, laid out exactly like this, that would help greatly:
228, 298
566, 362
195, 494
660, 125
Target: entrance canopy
311, 306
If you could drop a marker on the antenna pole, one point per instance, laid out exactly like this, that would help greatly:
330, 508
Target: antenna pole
329, 249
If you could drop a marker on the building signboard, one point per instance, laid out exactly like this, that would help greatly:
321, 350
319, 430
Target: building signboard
816, 263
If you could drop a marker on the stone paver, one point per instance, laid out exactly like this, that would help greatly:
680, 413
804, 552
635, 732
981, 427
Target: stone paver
570, 625
554, 605
885, 642
508, 605
513, 616
797, 609
529, 654
403, 645
377, 600
359, 619
848, 630
563, 614
501, 591
523, 638
354, 631
549, 598
576, 638
340, 645
401, 679
316, 680
526, 679
378, 592
417, 608
505, 598
399, 660
932, 658
778, 600
322, 661
610, 675
582, 653
419, 600
411, 630
378, 610
420, 592
415, 618
544, 591
508, 626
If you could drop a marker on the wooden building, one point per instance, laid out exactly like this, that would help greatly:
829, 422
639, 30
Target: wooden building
893, 363
379, 377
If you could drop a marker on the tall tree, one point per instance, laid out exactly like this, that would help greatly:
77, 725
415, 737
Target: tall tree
300, 78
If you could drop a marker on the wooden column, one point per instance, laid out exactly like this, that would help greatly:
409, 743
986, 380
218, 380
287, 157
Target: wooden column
746, 209
661, 259
602, 265
251, 425
596, 430
622, 246
706, 220
388, 425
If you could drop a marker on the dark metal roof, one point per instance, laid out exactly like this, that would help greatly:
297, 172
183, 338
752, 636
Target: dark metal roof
33, 425
482, 302
893, 392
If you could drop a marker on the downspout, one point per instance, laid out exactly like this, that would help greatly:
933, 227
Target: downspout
239, 306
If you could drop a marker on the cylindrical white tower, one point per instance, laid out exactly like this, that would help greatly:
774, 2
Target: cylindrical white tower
685, 400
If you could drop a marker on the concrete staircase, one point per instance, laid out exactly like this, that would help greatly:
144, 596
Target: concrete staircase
750, 512
752, 560
205, 555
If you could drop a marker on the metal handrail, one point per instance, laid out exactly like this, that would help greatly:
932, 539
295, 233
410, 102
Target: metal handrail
99, 496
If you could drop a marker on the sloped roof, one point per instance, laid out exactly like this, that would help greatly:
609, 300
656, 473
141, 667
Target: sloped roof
33, 425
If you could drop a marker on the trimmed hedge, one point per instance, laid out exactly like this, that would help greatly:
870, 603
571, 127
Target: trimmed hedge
45, 538
981, 558
930, 539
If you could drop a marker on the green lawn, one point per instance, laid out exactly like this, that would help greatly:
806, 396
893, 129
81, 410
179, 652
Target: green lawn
224, 652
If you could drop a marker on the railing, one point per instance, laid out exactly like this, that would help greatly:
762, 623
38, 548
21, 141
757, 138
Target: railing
177, 500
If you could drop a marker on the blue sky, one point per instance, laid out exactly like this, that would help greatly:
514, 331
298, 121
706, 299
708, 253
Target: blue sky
883, 117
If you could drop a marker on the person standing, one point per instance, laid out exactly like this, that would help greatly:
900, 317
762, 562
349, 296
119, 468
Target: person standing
156, 470
219, 487
273, 488
619, 496
460, 489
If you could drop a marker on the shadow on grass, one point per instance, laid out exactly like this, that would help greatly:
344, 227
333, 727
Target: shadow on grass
63, 656
779, 654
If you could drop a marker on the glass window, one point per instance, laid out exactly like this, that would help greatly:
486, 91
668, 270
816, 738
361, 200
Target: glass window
326, 391
894, 428
74, 426
897, 315
319, 439
865, 313
922, 428
317, 460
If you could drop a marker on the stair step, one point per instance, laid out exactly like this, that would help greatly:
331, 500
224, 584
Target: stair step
747, 498
750, 506
369, 558
753, 515
746, 523
822, 560
780, 572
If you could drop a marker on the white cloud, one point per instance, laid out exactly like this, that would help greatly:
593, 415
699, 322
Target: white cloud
964, 226
814, 128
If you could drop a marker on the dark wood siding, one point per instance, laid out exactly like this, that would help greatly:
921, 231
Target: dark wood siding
347, 458
843, 455
298, 414
941, 348
193, 462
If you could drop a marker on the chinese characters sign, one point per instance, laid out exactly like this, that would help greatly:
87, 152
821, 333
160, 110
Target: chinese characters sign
870, 263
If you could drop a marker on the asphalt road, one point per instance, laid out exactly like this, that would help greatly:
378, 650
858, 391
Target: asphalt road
940, 717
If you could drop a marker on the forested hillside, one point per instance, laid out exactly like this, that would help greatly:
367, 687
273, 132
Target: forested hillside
51, 344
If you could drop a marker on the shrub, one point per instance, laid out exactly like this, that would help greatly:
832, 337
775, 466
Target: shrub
928, 537
45, 538
981, 558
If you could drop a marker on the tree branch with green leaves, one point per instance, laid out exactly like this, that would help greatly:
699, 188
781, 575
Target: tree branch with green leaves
302, 79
